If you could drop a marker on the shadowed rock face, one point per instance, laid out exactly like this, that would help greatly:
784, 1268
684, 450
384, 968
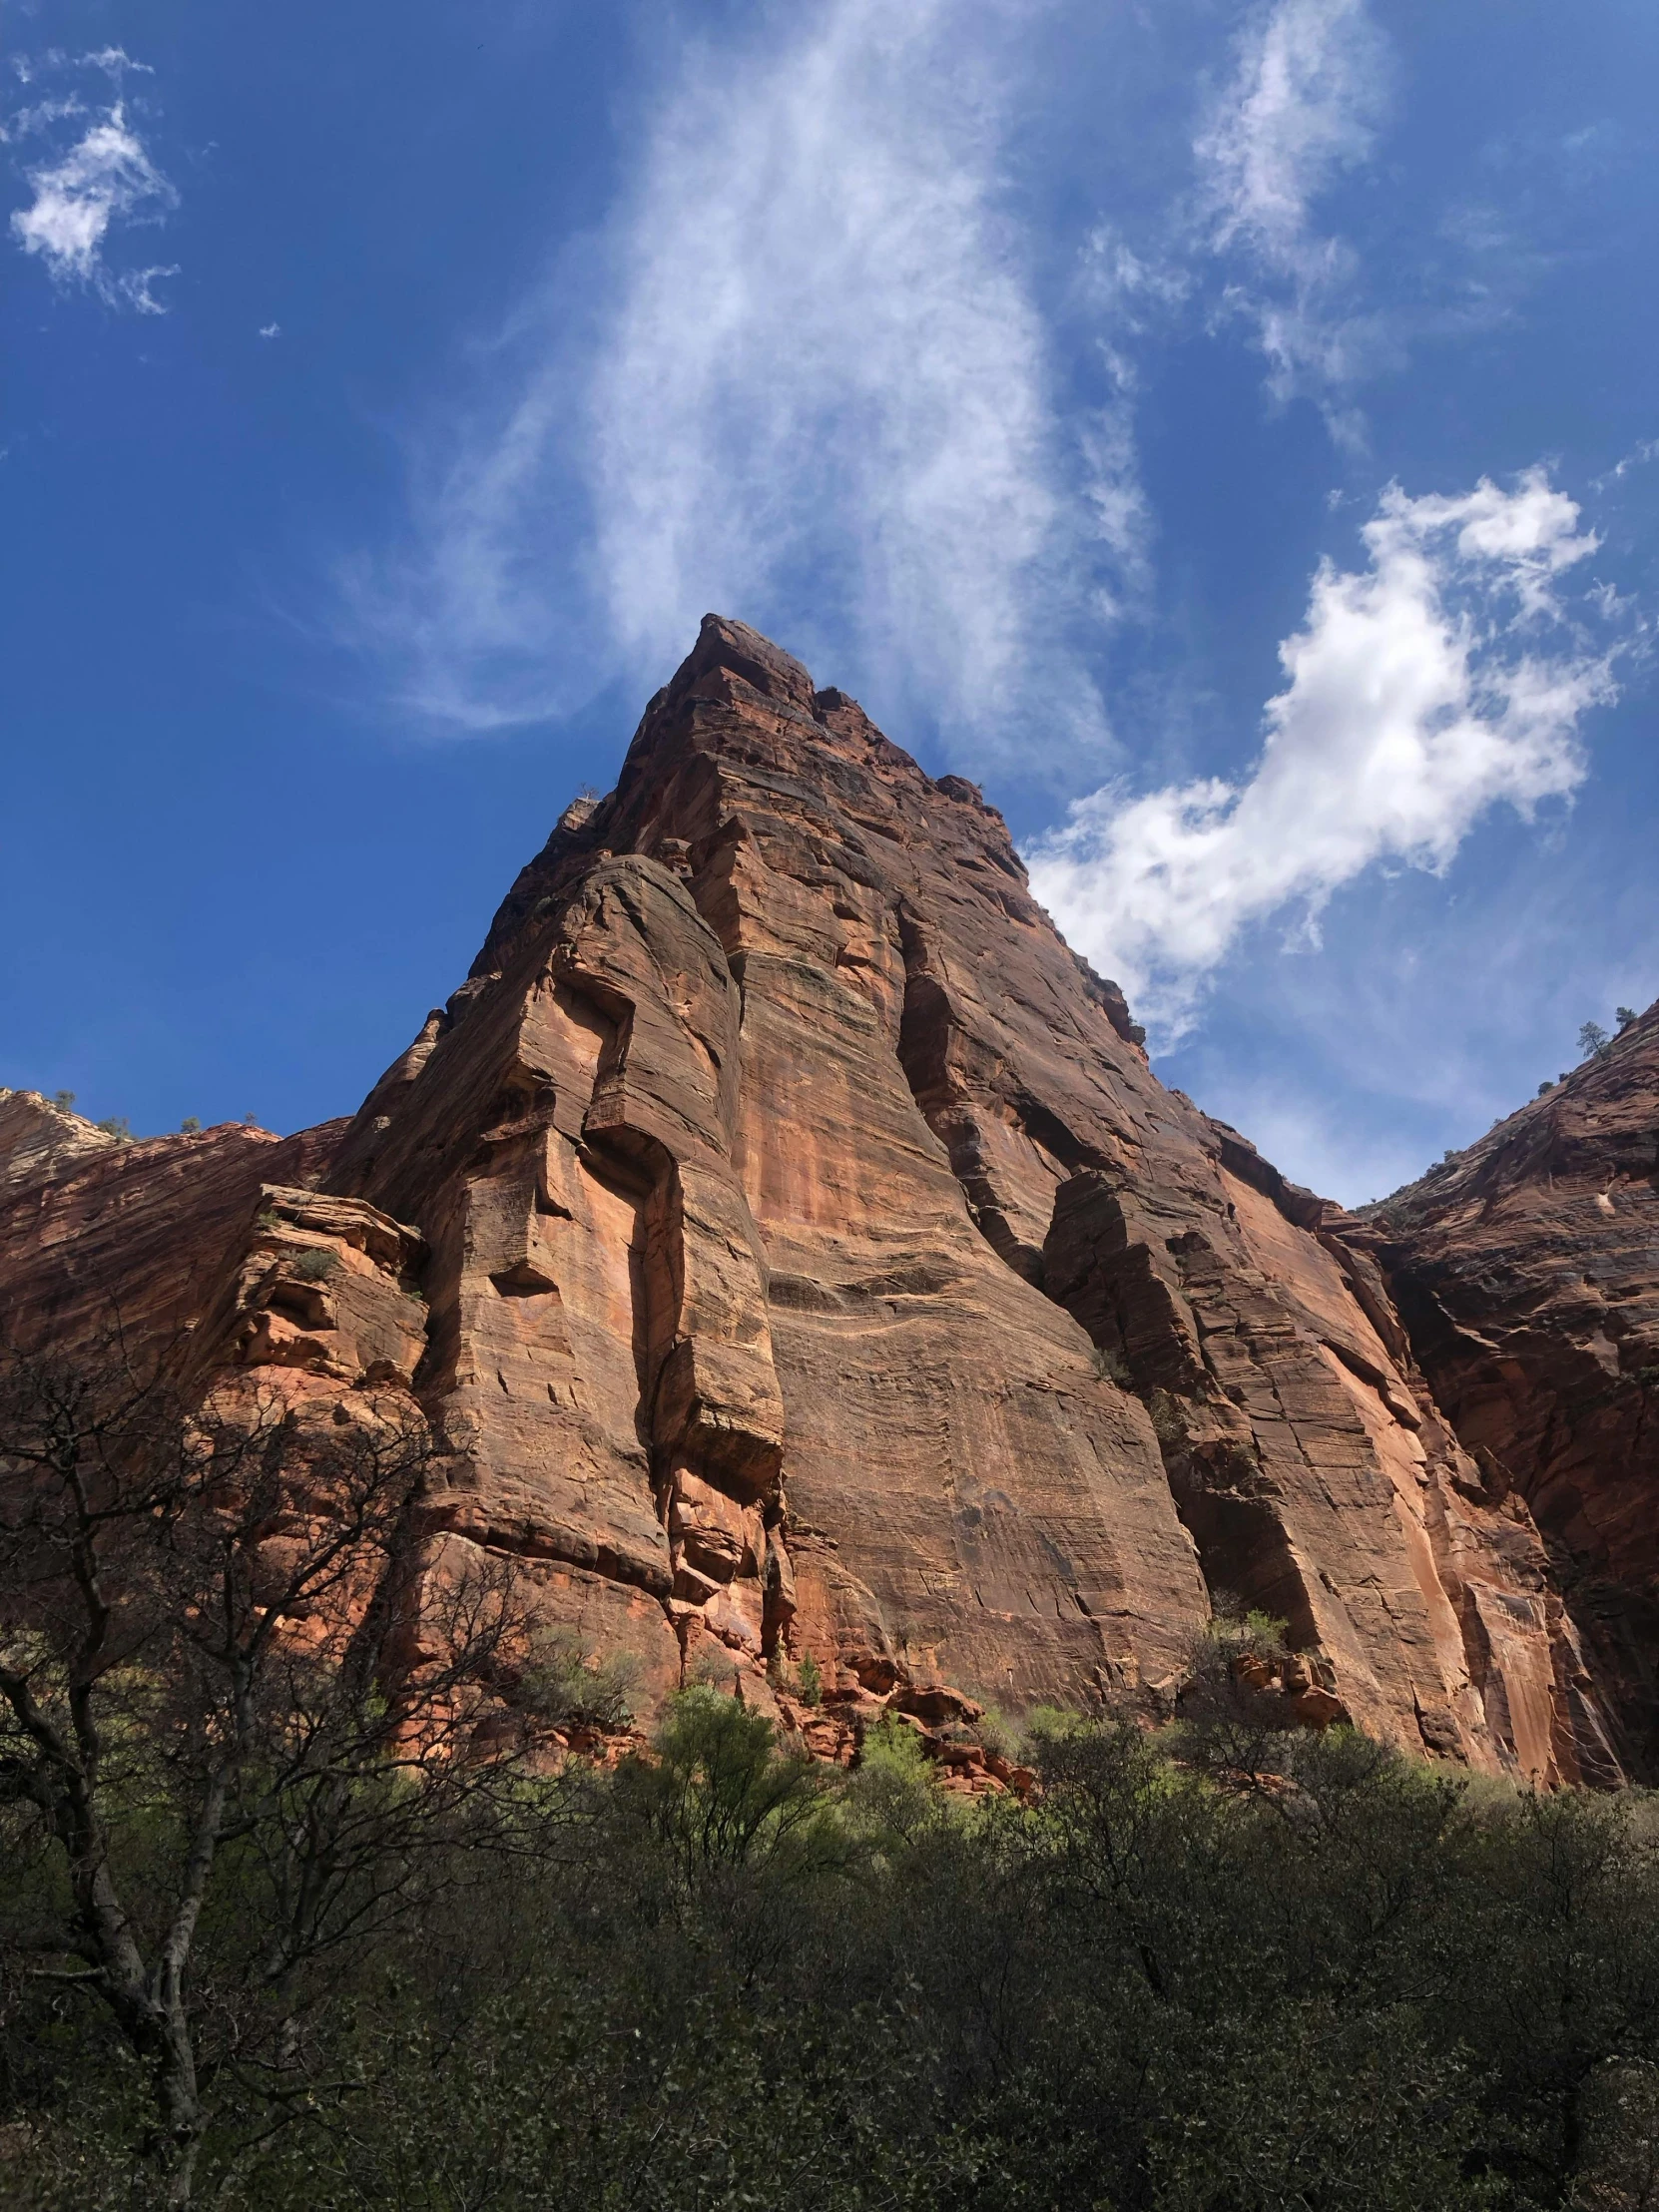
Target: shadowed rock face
1527, 1272
811, 1264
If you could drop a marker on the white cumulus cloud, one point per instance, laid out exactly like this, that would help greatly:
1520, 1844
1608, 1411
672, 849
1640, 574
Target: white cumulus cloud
1441, 679
1309, 92
104, 178
814, 394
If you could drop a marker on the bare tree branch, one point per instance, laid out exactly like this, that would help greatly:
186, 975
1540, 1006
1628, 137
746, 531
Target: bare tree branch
218, 1626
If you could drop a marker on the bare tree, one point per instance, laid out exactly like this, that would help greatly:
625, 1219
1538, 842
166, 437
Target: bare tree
239, 1722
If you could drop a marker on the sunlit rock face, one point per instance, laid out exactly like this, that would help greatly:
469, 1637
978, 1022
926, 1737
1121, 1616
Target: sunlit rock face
793, 1256
99, 1234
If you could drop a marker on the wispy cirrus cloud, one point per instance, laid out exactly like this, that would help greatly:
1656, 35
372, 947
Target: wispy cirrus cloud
1640, 455
816, 393
825, 364
1309, 89
1122, 295
1439, 681
96, 173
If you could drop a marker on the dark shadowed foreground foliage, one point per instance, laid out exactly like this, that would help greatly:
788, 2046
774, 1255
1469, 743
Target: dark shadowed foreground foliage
1222, 1968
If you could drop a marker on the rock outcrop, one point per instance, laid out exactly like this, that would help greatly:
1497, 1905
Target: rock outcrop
97, 1230
793, 1256
1527, 1269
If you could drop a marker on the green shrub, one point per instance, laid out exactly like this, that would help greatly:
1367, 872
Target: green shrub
316, 1265
802, 1681
713, 1667
719, 1794
893, 1795
1169, 1424
567, 1685
1040, 1722
1111, 1366
997, 1734
894, 1748
1235, 1965
1237, 1632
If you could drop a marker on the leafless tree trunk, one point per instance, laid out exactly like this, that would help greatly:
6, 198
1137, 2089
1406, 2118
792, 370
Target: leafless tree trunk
215, 1625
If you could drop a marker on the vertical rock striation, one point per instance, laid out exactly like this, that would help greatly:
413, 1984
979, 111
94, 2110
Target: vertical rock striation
808, 1262
815, 1252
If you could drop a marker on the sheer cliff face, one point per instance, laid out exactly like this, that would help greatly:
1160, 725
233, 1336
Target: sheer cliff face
811, 1264
1527, 1271
814, 1259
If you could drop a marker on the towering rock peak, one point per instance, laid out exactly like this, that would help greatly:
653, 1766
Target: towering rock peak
794, 1254
730, 653
815, 1254
738, 708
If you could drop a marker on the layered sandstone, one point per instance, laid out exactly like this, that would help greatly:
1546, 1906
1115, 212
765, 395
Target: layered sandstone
794, 1255
1527, 1272
98, 1233
815, 1254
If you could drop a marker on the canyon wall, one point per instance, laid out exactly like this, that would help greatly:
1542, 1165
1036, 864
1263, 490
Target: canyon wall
793, 1252
1527, 1269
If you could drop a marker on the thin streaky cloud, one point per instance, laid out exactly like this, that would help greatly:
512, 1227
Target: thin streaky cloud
817, 393
1441, 678
117, 62
822, 344
1309, 93
1123, 294
1640, 454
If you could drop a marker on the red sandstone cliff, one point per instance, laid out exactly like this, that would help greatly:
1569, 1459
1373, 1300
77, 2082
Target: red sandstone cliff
1527, 1269
793, 1252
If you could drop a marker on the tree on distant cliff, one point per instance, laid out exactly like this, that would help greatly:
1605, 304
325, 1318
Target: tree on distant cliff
228, 1750
1593, 1038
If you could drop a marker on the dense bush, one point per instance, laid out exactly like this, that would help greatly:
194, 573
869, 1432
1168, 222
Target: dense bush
722, 1976
297, 1923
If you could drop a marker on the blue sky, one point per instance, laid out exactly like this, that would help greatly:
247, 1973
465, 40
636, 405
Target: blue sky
1228, 431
